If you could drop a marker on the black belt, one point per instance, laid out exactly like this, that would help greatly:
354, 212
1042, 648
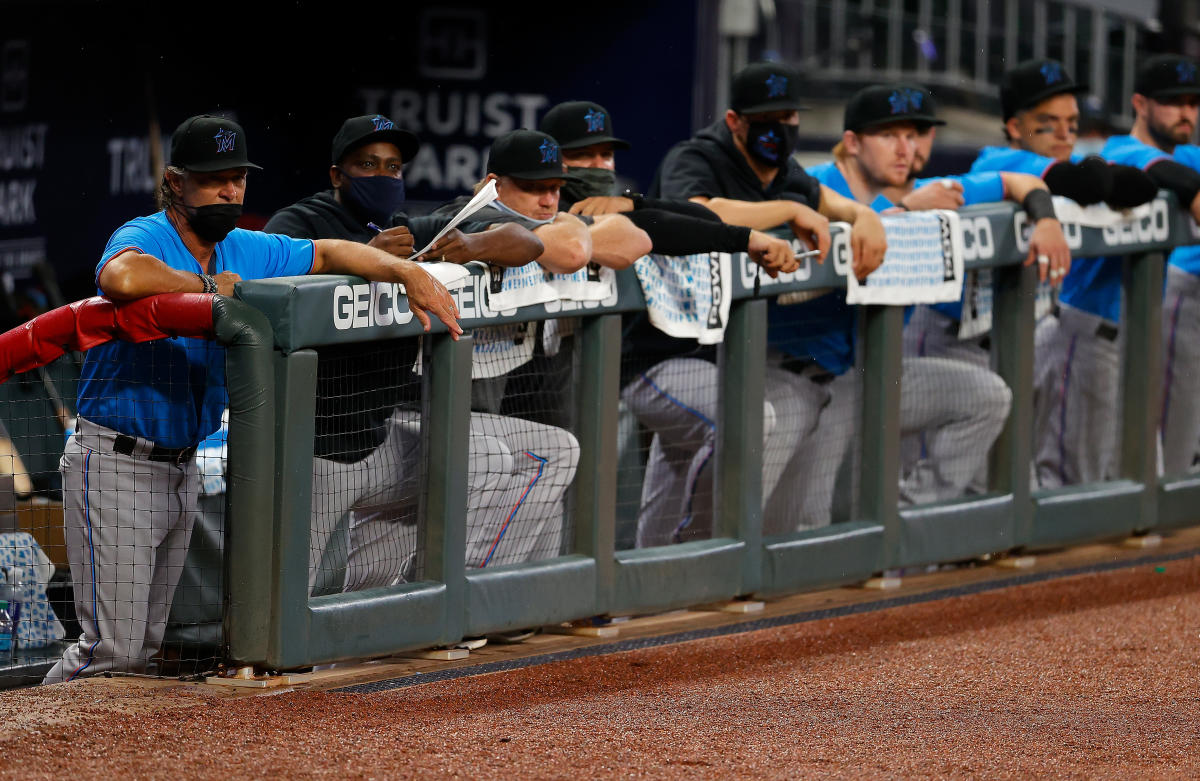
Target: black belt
1104, 329
126, 445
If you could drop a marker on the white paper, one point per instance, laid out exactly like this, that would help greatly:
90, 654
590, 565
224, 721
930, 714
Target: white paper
923, 264
1098, 215
482, 198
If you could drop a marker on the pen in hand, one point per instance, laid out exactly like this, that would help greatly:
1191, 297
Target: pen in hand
812, 253
374, 227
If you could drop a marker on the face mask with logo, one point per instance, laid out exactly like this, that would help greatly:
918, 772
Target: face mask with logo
596, 182
214, 221
772, 142
375, 197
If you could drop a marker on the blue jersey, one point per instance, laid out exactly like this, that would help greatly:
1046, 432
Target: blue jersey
1019, 161
172, 391
1187, 257
1094, 284
822, 329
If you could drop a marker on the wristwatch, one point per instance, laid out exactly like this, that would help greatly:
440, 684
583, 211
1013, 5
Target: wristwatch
636, 197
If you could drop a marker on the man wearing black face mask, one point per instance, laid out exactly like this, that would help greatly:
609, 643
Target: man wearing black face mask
367, 196
367, 434
130, 481
676, 227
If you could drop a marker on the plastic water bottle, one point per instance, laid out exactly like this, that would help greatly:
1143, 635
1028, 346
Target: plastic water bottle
7, 634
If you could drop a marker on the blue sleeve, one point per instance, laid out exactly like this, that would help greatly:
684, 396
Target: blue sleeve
1189, 155
281, 256
1015, 160
979, 187
131, 235
1127, 151
983, 187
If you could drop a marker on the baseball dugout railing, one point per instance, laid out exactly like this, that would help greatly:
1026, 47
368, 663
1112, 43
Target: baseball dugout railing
274, 622
278, 615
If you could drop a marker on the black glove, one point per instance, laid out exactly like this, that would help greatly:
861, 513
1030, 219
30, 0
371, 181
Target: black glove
1086, 182
1130, 187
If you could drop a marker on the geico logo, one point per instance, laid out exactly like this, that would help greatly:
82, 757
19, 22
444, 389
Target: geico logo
977, 238
364, 305
472, 299
839, 250
1152, 227
556, 305
749, 269
1023, 229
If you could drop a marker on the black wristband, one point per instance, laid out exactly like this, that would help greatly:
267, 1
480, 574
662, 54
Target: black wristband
636, 197
210, 284
1039, 206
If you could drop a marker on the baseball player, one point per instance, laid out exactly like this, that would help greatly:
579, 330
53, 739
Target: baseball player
368, 433
129, 480
527, 167
1165, 102
1077, 354
741, 167
882, 126
676, 504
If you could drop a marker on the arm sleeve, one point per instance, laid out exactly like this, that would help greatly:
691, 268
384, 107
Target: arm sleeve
689, 208
1176, 177
1131, 187
681, 234
1086, 182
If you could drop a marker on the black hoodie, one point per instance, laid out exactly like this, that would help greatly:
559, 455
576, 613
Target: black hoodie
710, 165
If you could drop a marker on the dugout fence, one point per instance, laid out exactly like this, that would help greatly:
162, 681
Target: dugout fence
433, 594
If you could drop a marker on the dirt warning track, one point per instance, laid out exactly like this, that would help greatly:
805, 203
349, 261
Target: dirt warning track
1093, 676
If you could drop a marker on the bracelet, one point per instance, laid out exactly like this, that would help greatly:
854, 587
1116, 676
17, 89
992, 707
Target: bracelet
1039, 206
210, 284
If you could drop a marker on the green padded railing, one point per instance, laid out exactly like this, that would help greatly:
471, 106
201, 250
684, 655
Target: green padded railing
596, 579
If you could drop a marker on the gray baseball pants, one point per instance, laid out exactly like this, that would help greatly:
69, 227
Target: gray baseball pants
518, 472
127, 523
957, 410
1180, 424
1076, 375
803, 496
677, 400
930, 469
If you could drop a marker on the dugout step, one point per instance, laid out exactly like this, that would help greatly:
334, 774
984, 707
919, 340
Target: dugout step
30, 666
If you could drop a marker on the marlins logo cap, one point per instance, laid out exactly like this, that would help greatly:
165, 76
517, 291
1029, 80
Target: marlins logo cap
209, 143
883, 104
368, 129
527, 154
580, 123
1167, 76
1033, 81
765, 86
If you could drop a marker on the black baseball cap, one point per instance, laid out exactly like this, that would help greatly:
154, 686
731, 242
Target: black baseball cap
1031, 82
527, 154
1167, 76
883, 104
579, 123
370, 128
209, 143
765, 86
